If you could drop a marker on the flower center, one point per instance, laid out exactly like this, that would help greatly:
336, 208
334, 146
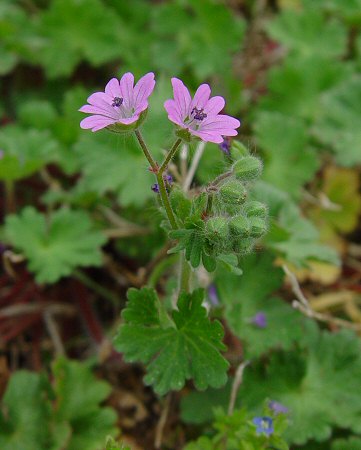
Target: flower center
198, 114
117, 102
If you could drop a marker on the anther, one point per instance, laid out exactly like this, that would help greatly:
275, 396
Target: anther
198, 114
117, 101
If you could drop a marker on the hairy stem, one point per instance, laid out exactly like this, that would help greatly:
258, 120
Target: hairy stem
170, 155
146, 152
185, 274
158, 172
165, 200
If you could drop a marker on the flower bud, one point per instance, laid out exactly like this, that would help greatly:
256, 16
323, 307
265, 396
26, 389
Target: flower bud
238, 150
258, 226
242, 246
233, 192
216, 229
247, 168
256, 209
239, 226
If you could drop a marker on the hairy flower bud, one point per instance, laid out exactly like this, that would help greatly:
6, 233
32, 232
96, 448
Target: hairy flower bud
243, 246
216, 230
256, 209
233, 192
258, 227
247, 168
239, 226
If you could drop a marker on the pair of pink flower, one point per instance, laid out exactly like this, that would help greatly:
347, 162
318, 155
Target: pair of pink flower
122, 104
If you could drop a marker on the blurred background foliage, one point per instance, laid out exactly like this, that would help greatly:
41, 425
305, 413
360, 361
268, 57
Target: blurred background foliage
80, 221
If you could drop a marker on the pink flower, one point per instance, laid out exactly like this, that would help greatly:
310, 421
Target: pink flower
200, 116
121, 105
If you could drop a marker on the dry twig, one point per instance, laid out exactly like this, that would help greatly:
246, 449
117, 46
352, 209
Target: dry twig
303, 305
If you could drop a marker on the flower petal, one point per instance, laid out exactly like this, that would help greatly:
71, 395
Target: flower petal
220, 122
214, 105
101, 100
173, 112
126, 88
182, 97
112, 88
201, 97
208, 136
128, 120
143, 89
99, 110
96, 122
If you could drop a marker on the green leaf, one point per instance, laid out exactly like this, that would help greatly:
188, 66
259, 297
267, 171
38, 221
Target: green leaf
292, 236
78, 398
338, 123
110, 163
25, 151
245, 296
55, 247
25, 411
285, 141
175, 349
191, 239
19, 40
353, 443
309, 33
321, 387
66, 27
296, 87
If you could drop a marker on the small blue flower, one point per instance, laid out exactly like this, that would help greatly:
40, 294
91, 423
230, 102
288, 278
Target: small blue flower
277, 408
264, 425
168, 178
259, 320
212, 295
155, 188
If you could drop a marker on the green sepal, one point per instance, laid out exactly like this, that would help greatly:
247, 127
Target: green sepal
122, 128
239, 226
247, 168
233, 192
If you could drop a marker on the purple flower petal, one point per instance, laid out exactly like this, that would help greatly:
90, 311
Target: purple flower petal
173, 112
112, 88
277, 408
214, 105
121, 103
182, 97
259, 320
200, 116
95, 122
99, 110
201, 97
143, 89
126, 88
264, 425
209, 136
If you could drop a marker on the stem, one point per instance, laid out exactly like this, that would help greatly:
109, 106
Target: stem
146, 152
170, 155
209, 204
193, 167
184, 275
10, 201
165, 200
93, 285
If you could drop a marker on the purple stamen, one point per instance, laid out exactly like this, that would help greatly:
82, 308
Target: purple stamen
198, 114
117, 102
